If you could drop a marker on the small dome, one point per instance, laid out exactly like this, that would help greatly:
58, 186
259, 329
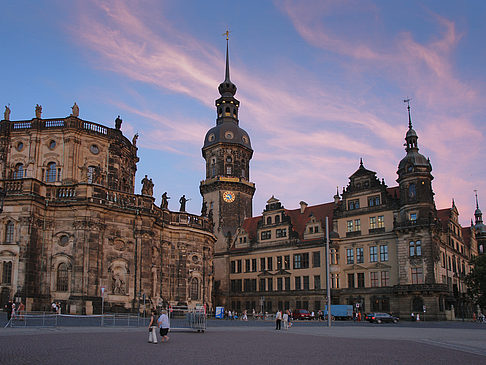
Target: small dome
227, 132
411, 133
415, 159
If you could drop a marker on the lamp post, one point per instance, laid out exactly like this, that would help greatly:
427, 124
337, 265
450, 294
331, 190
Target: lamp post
328, 281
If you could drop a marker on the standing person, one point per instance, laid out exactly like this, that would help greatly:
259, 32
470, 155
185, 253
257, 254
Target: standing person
278, 319
153, 327
164, 326
285, 318
8, 308
230, 316
21, 311
13, 311
54, 307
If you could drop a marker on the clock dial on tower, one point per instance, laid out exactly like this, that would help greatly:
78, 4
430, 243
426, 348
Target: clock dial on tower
229, 196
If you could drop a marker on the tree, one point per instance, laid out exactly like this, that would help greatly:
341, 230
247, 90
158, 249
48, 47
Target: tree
476, 281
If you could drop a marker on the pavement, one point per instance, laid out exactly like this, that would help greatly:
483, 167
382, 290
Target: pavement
255, 342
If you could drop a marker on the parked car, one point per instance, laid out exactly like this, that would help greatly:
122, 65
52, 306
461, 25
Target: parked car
301, 314
381, 318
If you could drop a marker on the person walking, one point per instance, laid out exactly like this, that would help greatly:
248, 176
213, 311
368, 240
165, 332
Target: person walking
8, 308
153, 327
278, 319
285, 319
164, 326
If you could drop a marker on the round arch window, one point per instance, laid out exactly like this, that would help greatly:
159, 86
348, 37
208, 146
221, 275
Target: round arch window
94, 149
20, 146
63, 240
52, 144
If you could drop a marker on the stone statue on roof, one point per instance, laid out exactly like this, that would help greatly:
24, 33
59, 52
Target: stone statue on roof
38, 111
118, 122
134, 140
6, 113
147, 186
165, 201
75, 110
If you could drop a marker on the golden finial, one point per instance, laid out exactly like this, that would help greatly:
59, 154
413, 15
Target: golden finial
227, 33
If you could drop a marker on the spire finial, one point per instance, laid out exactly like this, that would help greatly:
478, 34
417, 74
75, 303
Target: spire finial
227, 75
407, 100
476, 194
361, 162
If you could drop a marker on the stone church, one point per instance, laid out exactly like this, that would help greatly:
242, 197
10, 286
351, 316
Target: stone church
73, 230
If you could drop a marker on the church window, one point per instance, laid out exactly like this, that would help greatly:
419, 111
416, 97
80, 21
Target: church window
9, 232
19, 171
51, 172
195, 289
7, 273
62, 278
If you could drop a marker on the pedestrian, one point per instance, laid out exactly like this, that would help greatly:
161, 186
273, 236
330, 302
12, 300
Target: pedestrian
21, 311
278, 319
54, 307
164, 326
245, 316
8, 308
313, 315
413, 317
153, 327
285, 318
58, 307
230, 315
253, 313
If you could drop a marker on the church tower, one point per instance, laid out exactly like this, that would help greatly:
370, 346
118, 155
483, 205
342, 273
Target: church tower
227, 190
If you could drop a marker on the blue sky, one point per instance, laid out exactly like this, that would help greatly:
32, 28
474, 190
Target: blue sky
321, 84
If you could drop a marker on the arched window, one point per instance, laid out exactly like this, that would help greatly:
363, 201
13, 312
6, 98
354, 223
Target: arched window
19, 171
277, 219
62, 277
51, 172
269, 220
195, 289
7, 273
9, 232
227, 112
212, 172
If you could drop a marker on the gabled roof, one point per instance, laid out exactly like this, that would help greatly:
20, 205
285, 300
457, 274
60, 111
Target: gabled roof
299, 220
250, 226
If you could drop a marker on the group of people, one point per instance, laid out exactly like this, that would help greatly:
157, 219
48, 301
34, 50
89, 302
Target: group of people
14, 310
56, 307
162, 322
284, 317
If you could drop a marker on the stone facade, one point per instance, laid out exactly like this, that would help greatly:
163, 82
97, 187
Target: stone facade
72, 226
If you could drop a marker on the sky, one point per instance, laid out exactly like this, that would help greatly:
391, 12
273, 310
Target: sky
321, 85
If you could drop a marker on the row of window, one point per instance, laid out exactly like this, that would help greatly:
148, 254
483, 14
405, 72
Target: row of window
375, 222
454, 264
373, 254
267, 284
373, 201
279, 233
300, 261
376, 279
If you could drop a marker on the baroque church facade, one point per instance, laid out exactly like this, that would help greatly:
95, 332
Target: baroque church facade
74, 231
391, 249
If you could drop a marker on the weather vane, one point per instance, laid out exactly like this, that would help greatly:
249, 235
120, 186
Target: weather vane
407, 100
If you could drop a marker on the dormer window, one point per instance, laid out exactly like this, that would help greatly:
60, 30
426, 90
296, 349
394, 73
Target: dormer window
373, 201
353, 204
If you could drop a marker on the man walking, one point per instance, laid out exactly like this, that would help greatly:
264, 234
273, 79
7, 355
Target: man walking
278, 319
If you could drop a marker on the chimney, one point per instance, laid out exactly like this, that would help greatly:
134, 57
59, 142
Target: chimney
303, 205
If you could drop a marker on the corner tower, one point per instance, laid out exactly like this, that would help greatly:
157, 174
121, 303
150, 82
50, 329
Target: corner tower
227, 190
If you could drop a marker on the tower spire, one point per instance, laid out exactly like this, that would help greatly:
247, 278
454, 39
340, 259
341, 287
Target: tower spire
227, 74
227, 88
409, 117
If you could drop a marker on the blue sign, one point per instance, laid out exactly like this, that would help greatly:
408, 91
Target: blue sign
219, 313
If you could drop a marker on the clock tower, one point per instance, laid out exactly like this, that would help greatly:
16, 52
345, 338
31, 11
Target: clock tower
227, 190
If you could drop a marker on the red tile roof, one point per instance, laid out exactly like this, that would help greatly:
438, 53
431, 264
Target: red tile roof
444, 215
298, 219
394, 191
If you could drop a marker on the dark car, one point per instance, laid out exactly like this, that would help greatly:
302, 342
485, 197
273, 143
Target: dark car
301, 314
381, 318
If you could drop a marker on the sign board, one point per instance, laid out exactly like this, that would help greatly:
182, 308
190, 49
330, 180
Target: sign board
231, 179
219, 313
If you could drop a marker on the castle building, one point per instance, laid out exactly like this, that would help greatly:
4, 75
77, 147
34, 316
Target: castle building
73, 230
390, 248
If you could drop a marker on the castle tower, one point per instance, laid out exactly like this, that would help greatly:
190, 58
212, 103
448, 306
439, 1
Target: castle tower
227, 190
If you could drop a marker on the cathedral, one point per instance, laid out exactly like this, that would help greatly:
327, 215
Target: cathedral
391, 249
74, 231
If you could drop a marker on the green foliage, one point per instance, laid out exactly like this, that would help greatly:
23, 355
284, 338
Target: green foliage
476, 281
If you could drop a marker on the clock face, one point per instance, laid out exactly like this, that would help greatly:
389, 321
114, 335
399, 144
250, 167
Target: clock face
229, 196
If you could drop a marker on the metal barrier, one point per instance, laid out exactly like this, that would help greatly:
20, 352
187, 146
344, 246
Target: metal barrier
183, 318
49, 319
